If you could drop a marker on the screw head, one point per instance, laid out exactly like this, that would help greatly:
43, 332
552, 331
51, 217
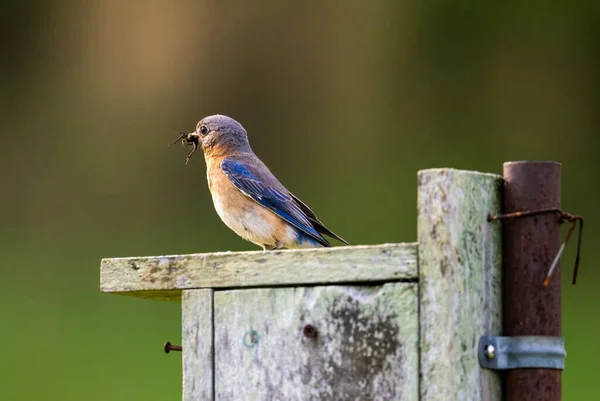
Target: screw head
489, 351
309, 331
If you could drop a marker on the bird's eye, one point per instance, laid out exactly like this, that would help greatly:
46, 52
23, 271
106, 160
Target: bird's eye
203, 130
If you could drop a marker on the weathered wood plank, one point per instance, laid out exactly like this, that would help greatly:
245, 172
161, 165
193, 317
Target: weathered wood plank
164, 276
365, 348
197, 338
460, 290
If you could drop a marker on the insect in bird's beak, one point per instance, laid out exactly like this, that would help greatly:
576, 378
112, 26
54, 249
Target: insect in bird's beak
188, 139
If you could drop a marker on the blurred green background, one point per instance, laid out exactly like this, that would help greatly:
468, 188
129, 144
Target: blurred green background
344, 101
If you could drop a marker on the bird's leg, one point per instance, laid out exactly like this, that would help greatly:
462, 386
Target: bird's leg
278, 245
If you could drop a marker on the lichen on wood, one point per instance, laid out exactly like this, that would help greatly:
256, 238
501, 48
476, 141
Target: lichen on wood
460, 282
150, 276
363, 345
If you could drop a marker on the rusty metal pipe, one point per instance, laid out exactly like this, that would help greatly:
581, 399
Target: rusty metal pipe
529, 246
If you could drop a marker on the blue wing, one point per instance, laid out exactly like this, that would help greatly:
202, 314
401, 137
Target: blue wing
279, 202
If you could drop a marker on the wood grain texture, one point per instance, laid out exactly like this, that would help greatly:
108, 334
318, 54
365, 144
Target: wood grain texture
197, 338
460, 282
365, 348
163, 277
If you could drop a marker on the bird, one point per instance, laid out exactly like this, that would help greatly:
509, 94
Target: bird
246, 195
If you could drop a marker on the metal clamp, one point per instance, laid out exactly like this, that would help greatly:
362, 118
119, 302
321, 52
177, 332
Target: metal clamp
517, 352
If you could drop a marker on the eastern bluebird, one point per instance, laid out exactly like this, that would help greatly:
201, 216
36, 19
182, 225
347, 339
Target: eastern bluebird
247, 196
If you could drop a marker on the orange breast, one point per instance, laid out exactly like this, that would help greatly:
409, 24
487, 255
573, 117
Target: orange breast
244, 216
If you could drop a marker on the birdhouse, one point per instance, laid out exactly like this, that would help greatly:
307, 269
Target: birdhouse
398, 321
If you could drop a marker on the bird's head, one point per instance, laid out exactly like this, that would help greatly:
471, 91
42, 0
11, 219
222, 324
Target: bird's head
216, 135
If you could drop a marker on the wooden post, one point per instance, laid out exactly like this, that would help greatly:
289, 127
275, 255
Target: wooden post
530, 244
459, 282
